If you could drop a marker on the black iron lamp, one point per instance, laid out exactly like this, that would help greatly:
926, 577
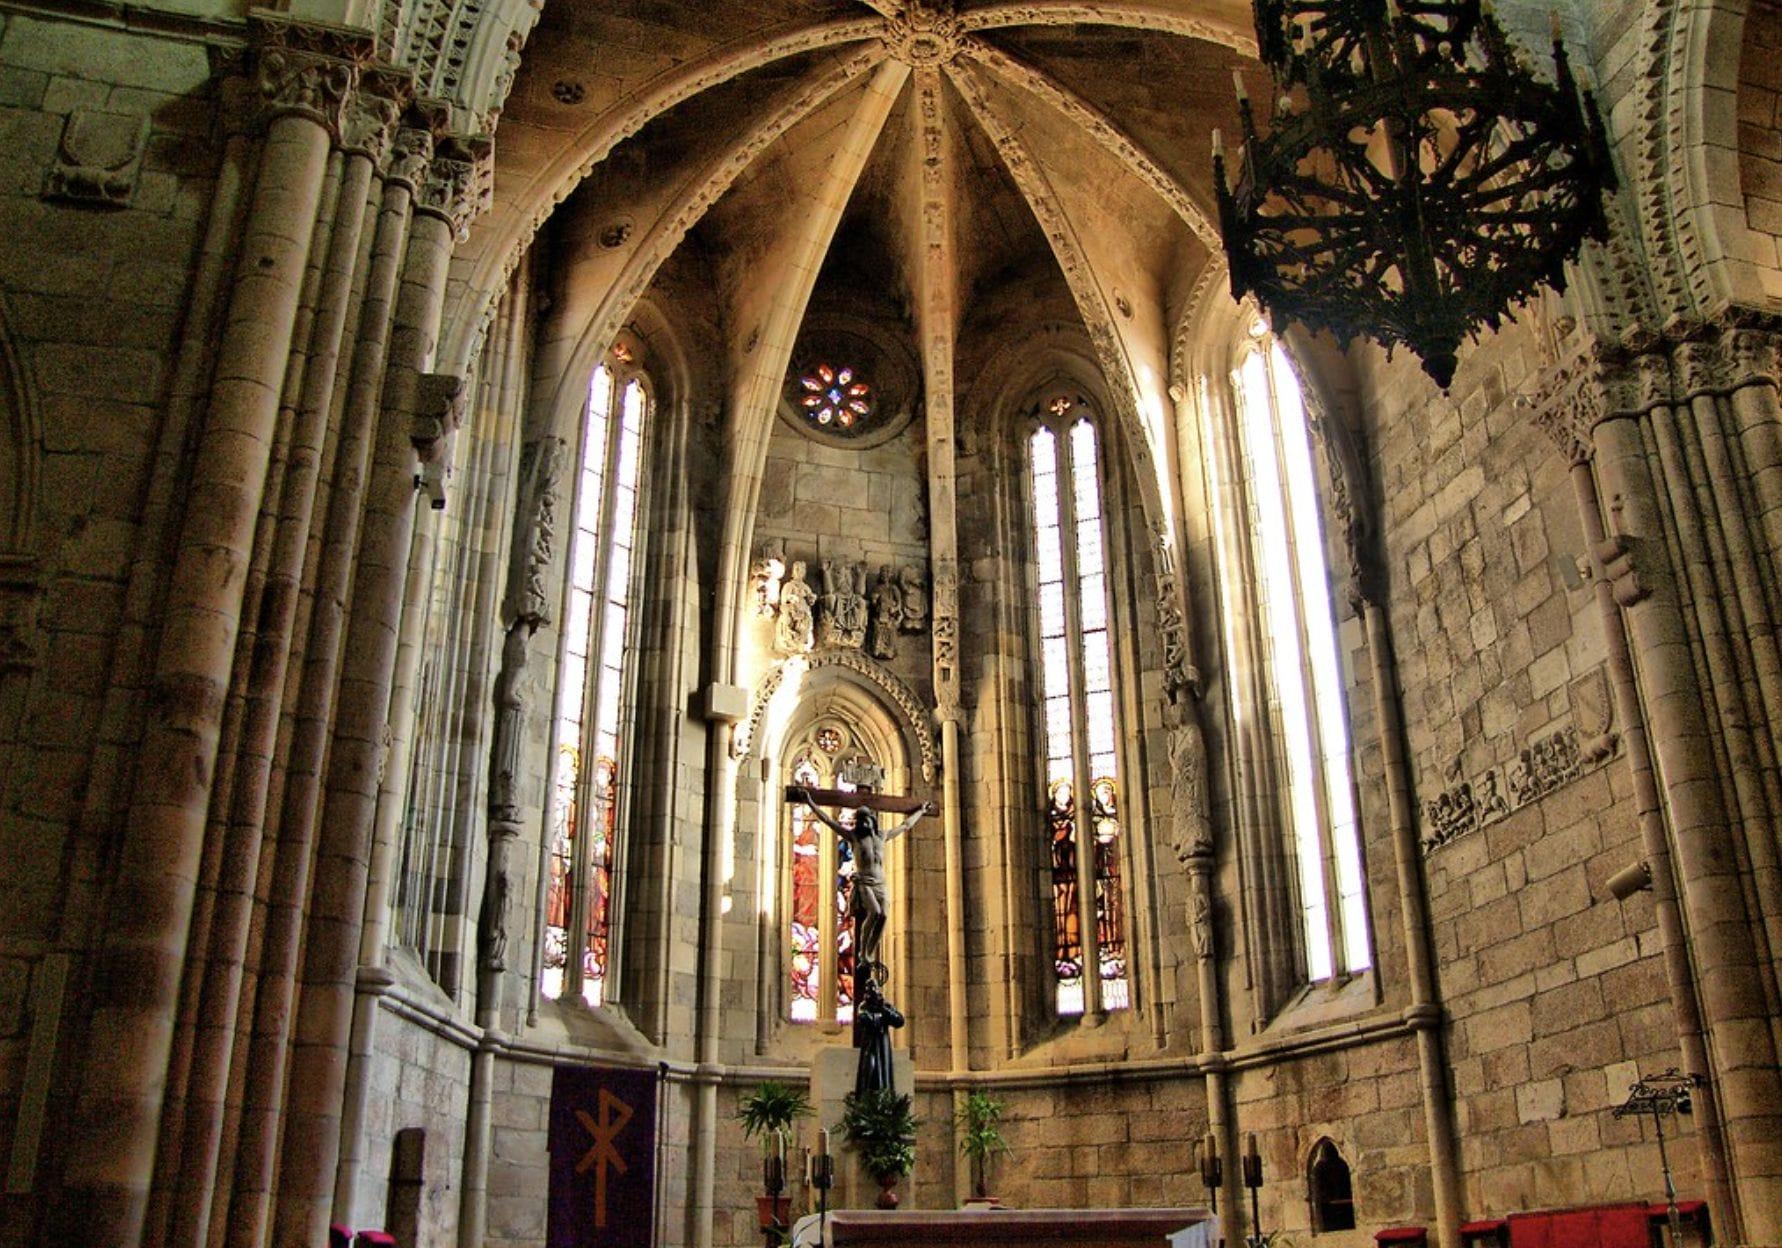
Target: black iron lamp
1418, 179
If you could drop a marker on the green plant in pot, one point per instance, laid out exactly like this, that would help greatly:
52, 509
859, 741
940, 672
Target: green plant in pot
882, 1128
980, 1139
768, 1114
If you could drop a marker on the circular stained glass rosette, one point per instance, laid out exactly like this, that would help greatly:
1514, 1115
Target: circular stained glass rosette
836, 399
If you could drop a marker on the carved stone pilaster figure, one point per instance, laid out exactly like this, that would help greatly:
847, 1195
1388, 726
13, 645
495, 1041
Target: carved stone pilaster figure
1200, 916
768, 572
1191, 827
792, 632
889, 607
915, 599
510, 718
492, 916
541, 466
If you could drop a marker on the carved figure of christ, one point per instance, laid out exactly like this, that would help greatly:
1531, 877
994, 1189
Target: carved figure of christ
871, 899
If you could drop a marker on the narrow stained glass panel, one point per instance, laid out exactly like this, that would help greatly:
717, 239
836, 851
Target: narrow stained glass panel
807, 938
1067, 946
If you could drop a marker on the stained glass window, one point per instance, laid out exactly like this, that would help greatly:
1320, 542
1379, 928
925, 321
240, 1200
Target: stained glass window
822, 932
1292, 587
1078, 718
835, 398
591, 691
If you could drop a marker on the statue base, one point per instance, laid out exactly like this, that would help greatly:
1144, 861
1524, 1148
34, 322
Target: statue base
832, 1081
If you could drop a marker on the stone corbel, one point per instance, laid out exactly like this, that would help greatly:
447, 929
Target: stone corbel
99, 158
434, 422
1618, 556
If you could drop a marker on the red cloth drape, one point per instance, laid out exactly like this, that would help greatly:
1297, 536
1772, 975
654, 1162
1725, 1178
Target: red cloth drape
1612, 1226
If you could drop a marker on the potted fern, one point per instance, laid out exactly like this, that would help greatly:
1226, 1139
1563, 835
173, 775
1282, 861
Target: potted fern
882, 1128
979, 1140
768, 1114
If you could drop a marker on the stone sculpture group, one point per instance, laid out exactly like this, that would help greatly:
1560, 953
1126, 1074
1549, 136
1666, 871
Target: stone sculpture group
845, 614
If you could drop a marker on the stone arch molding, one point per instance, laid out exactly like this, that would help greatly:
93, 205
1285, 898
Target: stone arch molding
777, 698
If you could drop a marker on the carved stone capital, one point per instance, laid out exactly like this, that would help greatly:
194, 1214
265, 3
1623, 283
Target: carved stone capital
1756, 357
458, 183
411, 152
307, 69
373, 111
1703, 366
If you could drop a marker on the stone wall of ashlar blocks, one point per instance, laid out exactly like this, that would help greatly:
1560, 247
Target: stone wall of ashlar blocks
418, 1079
1366, 1100
91, 301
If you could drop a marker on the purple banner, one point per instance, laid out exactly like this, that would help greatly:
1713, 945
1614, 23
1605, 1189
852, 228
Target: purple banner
603, 1158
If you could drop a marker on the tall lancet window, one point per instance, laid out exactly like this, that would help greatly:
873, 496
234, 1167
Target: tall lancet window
1299, 638
1084, 806
820, 889
588, 796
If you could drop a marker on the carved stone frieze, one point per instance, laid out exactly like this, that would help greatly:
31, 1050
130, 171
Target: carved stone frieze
1546, 764
794, 630
842, 620
767, 574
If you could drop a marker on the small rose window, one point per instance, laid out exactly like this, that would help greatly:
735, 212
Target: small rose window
836, 399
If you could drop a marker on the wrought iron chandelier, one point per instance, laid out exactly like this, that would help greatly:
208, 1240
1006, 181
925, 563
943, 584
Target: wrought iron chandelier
1418, 180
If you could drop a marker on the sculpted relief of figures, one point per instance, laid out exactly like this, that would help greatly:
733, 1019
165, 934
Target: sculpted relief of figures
842, 611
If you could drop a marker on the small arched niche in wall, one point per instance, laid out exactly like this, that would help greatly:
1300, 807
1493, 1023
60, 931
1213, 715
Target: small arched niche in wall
1331, 1189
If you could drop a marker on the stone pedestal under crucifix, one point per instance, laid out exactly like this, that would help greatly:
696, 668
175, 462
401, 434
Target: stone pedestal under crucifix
874, 1017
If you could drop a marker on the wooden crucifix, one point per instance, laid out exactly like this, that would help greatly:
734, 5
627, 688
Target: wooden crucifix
873, 1015
871, 900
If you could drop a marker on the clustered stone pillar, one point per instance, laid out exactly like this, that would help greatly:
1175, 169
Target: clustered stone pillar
1674, 451
194, 986
116, 1118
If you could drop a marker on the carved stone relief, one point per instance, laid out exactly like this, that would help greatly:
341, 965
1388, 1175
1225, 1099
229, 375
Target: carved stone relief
889, 614
99, 158
1191, 828
766, 574
1545, 765
793, 631
847, 613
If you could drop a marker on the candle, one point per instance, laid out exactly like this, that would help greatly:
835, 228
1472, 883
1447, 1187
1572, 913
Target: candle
823, 1142
779, 1147
1392, 10
1250, 1149
1553, 23
1218, 145
1237, 80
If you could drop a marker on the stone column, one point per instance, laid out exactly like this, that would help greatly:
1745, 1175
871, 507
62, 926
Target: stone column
419, 410
265, 1081
1425, 1014
305, 75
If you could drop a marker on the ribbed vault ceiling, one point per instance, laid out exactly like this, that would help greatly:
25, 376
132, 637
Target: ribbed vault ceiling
1074, 135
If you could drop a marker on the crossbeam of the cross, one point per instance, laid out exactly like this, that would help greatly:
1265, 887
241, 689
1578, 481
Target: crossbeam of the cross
853, 799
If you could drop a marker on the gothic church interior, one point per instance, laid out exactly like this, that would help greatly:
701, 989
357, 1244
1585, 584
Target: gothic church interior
462, 462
